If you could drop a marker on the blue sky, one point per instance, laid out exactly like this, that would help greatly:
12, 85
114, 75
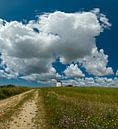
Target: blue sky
28, 9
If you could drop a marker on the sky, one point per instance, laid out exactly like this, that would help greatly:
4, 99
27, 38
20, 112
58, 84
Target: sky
43, 41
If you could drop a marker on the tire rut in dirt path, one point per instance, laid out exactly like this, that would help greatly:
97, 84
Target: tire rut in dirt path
25, 118
10, 106
7, 104
26, 111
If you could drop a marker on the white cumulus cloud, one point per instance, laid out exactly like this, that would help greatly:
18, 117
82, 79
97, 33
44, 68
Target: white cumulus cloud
70, 36
90, 81
96, 63
117, 73
73, 71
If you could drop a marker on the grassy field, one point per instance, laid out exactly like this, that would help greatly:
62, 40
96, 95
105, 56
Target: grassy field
81, 107
10, 90
63, 107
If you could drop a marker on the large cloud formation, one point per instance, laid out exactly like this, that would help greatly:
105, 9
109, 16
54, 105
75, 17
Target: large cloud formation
89, 81
96, 64
73, 71
28, 50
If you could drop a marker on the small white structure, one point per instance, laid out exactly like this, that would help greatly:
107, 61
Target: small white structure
59, 84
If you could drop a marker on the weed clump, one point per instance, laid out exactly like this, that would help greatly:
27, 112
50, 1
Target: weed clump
10, 90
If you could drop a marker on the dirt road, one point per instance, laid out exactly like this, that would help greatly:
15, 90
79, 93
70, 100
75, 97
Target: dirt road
23, 111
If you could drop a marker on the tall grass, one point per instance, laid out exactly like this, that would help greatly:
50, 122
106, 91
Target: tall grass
81, 108
9, 90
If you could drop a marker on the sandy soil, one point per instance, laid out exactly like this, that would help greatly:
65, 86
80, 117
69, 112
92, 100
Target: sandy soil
11, 102
25, 119
27, 115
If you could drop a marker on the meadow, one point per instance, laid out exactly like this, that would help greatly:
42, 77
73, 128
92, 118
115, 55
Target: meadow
81, 107
59, 107
10, 90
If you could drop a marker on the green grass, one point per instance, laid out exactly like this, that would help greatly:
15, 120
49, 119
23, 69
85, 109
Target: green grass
10, 90
81, 107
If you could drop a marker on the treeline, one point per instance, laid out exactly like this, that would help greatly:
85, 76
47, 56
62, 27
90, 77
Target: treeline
10, 90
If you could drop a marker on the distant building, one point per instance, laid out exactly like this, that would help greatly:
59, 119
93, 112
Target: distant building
59, 83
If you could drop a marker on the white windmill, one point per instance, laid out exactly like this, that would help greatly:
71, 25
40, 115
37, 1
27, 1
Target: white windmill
59, 83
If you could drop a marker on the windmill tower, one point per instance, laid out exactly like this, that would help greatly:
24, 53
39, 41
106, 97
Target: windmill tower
58, 83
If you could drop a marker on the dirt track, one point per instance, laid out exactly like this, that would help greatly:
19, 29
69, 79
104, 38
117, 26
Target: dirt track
21, 111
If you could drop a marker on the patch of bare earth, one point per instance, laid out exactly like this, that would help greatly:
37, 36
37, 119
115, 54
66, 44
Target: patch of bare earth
25, 118
29, 114
7, 104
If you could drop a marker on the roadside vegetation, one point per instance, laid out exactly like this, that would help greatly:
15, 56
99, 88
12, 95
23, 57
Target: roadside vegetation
81, 107
10, 90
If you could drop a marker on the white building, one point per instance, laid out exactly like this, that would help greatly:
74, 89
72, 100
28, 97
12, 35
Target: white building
59, 84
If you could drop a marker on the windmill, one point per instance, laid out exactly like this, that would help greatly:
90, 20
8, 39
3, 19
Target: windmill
58, 82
